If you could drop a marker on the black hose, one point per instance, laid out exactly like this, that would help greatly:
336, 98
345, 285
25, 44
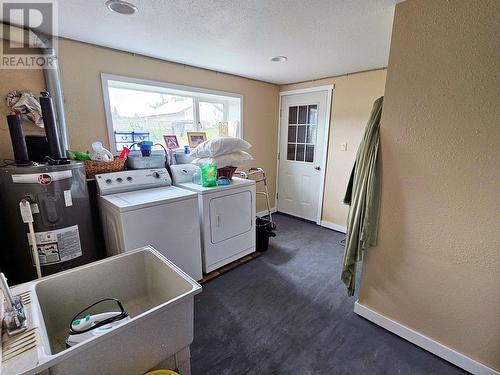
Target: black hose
123, 314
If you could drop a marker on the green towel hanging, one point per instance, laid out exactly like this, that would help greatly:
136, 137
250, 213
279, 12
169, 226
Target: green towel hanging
363, 195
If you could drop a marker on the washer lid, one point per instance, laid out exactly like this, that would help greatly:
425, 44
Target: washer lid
236, 182
134, 200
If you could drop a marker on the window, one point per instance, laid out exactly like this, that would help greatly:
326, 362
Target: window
302, 126
139, 110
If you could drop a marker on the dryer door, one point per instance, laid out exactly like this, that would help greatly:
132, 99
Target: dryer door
230, 216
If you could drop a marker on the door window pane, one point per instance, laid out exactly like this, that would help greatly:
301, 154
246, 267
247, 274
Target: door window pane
309, 153
292, 133
301, 134
292, 115
313, 114
290, 154
300, 152
303, 114
311, 134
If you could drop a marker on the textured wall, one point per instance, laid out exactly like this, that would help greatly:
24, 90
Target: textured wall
437, 266
352, 102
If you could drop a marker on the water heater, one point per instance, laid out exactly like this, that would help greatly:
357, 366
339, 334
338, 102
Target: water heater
60, 207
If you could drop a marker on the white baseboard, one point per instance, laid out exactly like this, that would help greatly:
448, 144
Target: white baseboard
458, 359
264, 213
330, 225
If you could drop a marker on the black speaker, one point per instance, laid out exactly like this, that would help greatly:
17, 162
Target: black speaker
17, 138
38, 147
49, 123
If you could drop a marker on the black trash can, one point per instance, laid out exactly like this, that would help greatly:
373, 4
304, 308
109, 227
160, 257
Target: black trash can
264, 230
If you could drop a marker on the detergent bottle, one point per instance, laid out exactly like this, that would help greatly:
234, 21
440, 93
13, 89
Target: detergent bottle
99, 153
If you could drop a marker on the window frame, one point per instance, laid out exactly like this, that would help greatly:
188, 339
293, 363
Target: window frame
106, 77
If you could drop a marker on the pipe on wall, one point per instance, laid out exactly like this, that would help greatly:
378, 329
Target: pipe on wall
53, 82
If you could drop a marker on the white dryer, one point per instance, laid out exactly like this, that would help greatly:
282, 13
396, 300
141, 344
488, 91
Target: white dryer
140, 207
227, 217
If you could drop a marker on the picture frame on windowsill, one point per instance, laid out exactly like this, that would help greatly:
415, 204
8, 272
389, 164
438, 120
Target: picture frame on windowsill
171, 141
195, 138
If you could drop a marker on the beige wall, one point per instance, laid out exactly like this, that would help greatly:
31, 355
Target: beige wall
352, 102
10, 80
81, 65
436, 268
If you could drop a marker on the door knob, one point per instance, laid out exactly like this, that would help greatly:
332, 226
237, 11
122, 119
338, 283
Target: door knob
317, 168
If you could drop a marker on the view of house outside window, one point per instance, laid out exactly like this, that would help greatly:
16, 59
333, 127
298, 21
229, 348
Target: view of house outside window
148, 112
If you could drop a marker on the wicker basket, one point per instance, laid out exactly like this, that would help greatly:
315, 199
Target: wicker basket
93, 167
227, 172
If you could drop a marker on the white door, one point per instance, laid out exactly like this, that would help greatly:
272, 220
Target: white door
303, 132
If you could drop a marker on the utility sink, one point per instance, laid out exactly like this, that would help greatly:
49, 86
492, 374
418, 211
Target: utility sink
157, 295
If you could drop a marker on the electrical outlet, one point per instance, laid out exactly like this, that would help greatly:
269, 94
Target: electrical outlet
343, 147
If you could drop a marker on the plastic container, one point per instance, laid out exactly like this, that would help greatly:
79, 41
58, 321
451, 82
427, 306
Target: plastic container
196, 178
223, 181
146, 147
180, 157
264, 230
149, 162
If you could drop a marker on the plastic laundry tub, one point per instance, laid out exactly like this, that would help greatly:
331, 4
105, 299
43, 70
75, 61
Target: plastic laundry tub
157, 294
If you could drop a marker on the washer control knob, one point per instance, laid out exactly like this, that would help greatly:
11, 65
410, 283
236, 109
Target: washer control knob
129, 179
108, 180
156, 175
119, 179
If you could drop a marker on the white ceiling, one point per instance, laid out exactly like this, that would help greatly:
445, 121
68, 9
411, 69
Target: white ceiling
320, 37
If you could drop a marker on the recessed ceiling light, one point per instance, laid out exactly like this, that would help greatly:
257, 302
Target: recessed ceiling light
279, 59
122, 7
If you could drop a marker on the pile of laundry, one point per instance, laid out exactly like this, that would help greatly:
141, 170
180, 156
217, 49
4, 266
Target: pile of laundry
222, 152
25, 104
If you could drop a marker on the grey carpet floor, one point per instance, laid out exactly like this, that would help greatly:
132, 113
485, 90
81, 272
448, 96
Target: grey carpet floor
287, 312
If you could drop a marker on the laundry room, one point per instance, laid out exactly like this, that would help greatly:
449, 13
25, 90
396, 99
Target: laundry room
249, 187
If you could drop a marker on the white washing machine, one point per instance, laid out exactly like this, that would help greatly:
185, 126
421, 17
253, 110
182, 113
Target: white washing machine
227, 217
140, 207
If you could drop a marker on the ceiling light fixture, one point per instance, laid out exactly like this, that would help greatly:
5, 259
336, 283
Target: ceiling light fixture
122, 7
279, 59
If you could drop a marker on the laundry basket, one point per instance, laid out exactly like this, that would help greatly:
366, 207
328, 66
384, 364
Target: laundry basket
227, 172
93, 167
